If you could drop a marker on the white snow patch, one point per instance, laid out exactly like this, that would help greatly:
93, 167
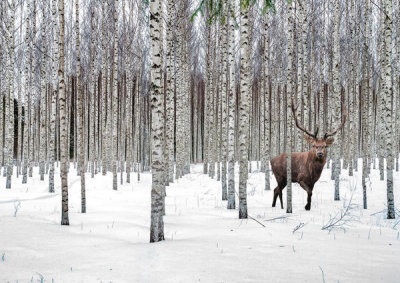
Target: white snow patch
205, 242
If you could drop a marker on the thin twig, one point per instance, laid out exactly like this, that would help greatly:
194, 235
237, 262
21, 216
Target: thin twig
276, 218
248, 215
383, 210
298, 227
323, 274
255, 220
341, 218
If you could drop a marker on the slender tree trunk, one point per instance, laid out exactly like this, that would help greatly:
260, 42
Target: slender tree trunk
231, 115
244, 110
10, 99
53, 97
42, 105
290, 94
81, 115
224, 111
115, 99
337, 95
267, 106
28, 87
63, 122
387, 100
157, 106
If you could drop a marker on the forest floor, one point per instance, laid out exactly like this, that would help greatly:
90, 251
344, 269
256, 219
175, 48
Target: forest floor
204, 242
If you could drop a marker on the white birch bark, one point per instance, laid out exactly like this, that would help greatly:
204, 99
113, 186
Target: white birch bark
53, 96
365, 105
80, 118
10, 98
387, 90
104, 93
290, 94
231, 112
336, 96
267, 107
115, 99
245, 91
170, 92
92, 92
224, 111
157, 106
63, 123
42, 103
28, 85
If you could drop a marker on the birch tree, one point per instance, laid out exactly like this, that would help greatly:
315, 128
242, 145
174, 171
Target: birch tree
231, 111
157, 106
387, 90
53, 97
290, 91
63, 122
244, 109
336, 95
10, 97
115, 99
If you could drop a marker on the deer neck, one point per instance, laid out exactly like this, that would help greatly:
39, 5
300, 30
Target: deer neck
314, 162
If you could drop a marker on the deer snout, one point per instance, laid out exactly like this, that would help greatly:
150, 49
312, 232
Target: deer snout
320, 154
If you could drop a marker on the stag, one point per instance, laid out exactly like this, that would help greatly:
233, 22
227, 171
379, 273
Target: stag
306, 166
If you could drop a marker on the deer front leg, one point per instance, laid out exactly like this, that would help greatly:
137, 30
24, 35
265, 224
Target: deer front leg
275, 196
309, 194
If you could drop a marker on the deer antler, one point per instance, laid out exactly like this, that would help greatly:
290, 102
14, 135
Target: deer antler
340, 126
298, 125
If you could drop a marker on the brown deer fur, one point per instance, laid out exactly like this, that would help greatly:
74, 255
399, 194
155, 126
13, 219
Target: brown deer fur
306, 166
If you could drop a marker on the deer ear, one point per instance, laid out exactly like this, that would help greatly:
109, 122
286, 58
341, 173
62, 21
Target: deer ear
309, 139
329, 141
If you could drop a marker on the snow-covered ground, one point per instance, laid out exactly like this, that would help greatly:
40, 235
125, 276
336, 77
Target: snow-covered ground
204, 241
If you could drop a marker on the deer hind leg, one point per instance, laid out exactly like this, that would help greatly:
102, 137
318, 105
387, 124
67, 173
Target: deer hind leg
276, 192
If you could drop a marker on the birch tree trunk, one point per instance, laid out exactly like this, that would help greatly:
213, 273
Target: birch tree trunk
267, 100
290, 94
27, 97
92, 92
231, 112
365, 98
81, 115
63, 123
170, 92
115, 100
224, 111
157, 106
10, 98
42, 105
53, 97
244, 110
105, 116
387, 89
336, 95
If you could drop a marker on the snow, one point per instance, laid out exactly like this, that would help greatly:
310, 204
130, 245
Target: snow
204, 241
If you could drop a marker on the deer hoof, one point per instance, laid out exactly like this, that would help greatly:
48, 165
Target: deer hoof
308, 206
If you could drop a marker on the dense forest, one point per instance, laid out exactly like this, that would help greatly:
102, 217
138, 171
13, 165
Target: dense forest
122, 87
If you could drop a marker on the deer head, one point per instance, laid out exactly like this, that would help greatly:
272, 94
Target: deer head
319, 145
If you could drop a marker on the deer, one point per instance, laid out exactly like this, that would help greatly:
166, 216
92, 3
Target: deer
306, 166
